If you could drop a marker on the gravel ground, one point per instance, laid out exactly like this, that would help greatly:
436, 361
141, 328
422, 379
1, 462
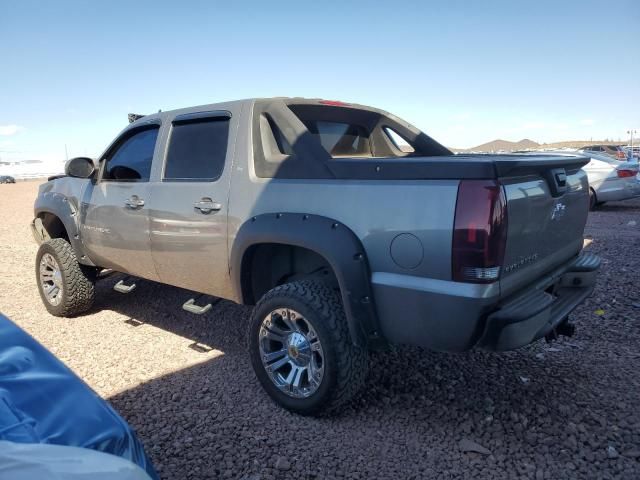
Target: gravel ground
566, 410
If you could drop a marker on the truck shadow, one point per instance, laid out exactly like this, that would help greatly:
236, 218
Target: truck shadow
414, 402
222, 328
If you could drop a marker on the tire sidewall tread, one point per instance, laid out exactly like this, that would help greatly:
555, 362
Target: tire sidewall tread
78, 281
345, 363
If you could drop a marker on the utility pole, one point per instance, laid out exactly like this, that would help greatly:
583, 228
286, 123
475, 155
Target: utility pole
631, 132
66, 153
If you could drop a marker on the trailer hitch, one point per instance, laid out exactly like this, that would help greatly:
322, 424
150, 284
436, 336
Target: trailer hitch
565, 329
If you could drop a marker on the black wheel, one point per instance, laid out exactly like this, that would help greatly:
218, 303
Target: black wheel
301, 350
66, 287
593, 200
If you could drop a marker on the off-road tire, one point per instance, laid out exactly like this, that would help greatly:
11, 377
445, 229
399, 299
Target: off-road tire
346, 364
78, 291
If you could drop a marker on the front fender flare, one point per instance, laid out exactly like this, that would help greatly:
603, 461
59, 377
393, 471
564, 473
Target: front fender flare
60, 206
336, 243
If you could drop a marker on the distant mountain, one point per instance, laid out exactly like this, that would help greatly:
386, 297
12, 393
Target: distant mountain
580, 143
498, 145
526, 144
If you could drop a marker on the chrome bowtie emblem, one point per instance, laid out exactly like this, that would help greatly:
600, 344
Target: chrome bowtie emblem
558, 211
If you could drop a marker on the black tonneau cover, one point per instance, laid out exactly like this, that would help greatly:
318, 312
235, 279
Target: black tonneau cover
451, 167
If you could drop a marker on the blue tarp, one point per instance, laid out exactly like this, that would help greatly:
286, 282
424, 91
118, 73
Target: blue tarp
42, 401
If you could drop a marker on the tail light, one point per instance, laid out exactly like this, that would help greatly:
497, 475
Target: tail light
624, 173
621, 155
480, 231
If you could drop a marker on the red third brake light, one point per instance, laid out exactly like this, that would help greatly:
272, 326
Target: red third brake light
335, 103
480, 232
623, 173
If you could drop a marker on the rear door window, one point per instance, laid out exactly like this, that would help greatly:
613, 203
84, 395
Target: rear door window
197, 150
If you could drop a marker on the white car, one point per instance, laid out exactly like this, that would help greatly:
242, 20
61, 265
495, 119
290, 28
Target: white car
632, 152
609, 179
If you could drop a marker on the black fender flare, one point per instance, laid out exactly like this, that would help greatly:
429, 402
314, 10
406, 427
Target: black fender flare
336, 243
59, 205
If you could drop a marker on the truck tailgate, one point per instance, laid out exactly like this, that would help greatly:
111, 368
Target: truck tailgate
547, 207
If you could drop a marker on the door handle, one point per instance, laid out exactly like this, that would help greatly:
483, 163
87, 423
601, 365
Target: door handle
206, 206
134, 202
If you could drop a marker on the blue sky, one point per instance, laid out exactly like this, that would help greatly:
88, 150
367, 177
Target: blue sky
464, 72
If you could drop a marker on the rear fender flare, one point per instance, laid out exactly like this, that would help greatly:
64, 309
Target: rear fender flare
335, 242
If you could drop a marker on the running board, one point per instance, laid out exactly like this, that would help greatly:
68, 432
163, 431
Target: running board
107, 272
191, 306
120, 287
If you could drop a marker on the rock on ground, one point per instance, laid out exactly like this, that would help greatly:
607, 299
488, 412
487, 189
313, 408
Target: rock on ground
202, 415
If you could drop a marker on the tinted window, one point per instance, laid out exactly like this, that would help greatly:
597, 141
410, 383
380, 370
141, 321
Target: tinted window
131, 161
197, 150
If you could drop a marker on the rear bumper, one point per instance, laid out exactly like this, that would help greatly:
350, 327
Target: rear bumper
451, 316
536, 313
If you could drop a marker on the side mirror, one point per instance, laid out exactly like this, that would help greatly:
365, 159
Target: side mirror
80, 167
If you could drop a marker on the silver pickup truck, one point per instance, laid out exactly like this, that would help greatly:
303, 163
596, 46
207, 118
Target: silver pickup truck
347, 228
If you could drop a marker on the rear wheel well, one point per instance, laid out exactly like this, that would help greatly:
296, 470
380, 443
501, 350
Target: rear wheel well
267, 265
53, 226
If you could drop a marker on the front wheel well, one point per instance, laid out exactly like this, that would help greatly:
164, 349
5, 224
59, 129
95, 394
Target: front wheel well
267, 265
53, 226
